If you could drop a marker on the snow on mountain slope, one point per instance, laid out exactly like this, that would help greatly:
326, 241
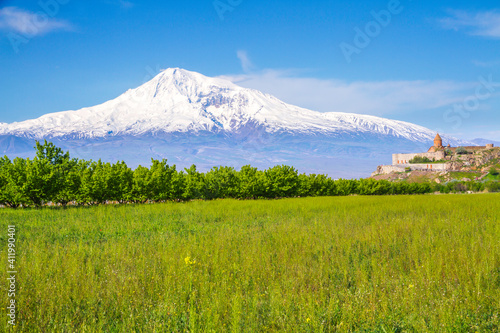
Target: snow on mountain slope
180, 101
192, 119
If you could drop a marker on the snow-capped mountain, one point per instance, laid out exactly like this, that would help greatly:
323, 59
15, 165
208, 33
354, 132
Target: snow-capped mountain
177, 100
190, 118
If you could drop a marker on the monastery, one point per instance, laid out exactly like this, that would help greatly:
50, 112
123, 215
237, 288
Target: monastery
436, 153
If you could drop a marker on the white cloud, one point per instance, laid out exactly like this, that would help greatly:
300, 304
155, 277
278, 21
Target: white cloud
29, 23
246, 63
380, 98
485, 23
493, 63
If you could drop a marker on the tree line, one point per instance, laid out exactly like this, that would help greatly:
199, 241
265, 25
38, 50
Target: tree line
53, 176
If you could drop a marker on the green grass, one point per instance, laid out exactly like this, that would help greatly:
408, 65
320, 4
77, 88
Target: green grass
365, 264
492, 177
460, 175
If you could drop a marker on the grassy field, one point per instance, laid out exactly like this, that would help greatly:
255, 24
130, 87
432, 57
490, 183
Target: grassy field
333, 264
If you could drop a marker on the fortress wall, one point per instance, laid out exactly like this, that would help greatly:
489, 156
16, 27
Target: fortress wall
473, 148
429, 167
387, 169
398, 159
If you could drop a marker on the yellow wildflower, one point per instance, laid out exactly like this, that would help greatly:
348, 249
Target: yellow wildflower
189, 262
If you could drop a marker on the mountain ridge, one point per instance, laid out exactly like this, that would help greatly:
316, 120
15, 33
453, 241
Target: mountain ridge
190, 118
177, 100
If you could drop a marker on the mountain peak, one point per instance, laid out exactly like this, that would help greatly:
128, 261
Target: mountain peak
181, 101
174, 82
178, 74
181, 76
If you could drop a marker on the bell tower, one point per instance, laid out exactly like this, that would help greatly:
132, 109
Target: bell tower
438, 142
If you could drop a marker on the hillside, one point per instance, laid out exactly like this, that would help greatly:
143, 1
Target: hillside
465, 167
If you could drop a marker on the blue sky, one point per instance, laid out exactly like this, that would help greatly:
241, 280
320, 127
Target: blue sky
436, 64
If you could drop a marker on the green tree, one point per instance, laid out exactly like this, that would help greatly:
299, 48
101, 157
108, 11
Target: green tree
140, 185
123, 184
221, 182
68, 180
345, 187
281, 181
97, 183
48, 151
373, 187
41, 181
251, 183
12, 180
194, 183
493, 186
60, 173
163, 182
400, 188
314, 185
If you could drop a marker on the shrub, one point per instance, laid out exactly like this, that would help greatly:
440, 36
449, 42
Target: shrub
461, 151
420, 159
494, 171
493, 186
459, 187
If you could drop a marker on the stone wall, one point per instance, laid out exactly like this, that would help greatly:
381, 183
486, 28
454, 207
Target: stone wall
387, 169
430, 167
402, 159
470, 149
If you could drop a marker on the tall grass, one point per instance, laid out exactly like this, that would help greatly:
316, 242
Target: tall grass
365, 264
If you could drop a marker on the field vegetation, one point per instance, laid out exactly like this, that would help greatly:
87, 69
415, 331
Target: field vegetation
428, 263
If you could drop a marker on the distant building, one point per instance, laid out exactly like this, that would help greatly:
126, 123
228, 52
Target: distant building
438, 144
401, 162
435, 153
